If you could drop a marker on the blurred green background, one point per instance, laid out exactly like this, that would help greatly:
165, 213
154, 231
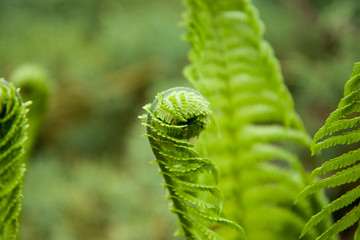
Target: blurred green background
89, 175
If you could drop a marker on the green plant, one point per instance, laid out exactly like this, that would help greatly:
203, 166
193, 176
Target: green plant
174, 117
340, 128
13, 124
255, 128
255, 120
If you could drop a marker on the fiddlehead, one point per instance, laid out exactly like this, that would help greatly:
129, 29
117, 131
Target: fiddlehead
340, 128
13, 124
174, 117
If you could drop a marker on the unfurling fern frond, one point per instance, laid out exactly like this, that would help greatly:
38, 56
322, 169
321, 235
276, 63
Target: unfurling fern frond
341, 127
255, 121
13, 124
174, 117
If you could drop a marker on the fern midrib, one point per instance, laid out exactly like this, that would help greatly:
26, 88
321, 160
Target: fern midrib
230, 113
172, 195
233, 129
176, 203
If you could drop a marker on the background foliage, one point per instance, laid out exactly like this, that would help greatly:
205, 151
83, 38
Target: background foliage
89, 175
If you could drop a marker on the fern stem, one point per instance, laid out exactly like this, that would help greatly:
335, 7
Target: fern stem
177, 205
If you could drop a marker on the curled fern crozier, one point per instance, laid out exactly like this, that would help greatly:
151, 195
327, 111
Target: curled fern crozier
13, 124
176, 116
341, 128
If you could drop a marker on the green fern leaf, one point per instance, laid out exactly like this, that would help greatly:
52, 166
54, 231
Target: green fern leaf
343, 177
254, 117
176, 116
337, 204
347, 221
346, 165
13, 124
347, 159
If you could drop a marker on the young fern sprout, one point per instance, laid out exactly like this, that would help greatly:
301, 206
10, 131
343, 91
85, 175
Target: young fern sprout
13, 124
175, 116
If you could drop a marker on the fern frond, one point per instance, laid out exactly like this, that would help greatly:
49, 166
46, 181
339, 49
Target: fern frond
236, 70
175, 116
345, 222
271, 133
340, 178
13, 124
288, 222
343, 201
346, 165
345, 160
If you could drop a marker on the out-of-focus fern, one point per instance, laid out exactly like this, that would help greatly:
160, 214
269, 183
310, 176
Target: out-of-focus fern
340, 128
238, 73
33, 82
13, 124
174, 117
